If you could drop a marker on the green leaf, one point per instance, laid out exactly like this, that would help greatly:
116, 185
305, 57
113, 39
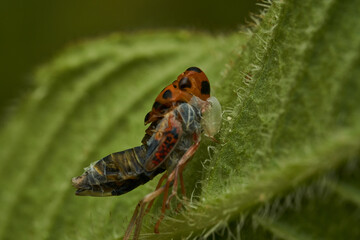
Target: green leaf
90, 101
286, 167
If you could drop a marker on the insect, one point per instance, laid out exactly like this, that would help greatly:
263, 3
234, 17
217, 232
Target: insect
170, 141
192, 82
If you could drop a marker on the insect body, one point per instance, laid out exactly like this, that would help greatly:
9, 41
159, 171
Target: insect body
120, 172
115, 174
178, 134
192, 82
170, 141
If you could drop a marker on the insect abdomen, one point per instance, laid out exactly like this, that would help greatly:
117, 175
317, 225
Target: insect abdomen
115, 174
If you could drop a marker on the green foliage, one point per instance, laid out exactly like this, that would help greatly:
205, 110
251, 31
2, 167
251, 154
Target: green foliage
286, 167
89, 102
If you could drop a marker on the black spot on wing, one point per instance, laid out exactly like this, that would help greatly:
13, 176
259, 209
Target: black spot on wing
147, 117
195, 69
167, 94
160, 107
156, 105
184, 83
205, 87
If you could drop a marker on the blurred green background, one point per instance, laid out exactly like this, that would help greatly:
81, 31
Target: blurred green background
32, 32
275, 173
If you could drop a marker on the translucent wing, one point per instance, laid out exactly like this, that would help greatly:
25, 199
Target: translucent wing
163, 141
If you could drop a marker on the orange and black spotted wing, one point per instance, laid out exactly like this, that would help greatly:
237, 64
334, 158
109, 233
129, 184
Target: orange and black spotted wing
163, 142
192, 82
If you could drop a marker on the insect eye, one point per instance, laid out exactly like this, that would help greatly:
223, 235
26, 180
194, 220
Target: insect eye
184, 83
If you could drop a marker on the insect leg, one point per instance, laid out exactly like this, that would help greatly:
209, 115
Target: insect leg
157, 187
183, 192
175, 185
132, 221
180, 167
137, 217
163, 208
173, 177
